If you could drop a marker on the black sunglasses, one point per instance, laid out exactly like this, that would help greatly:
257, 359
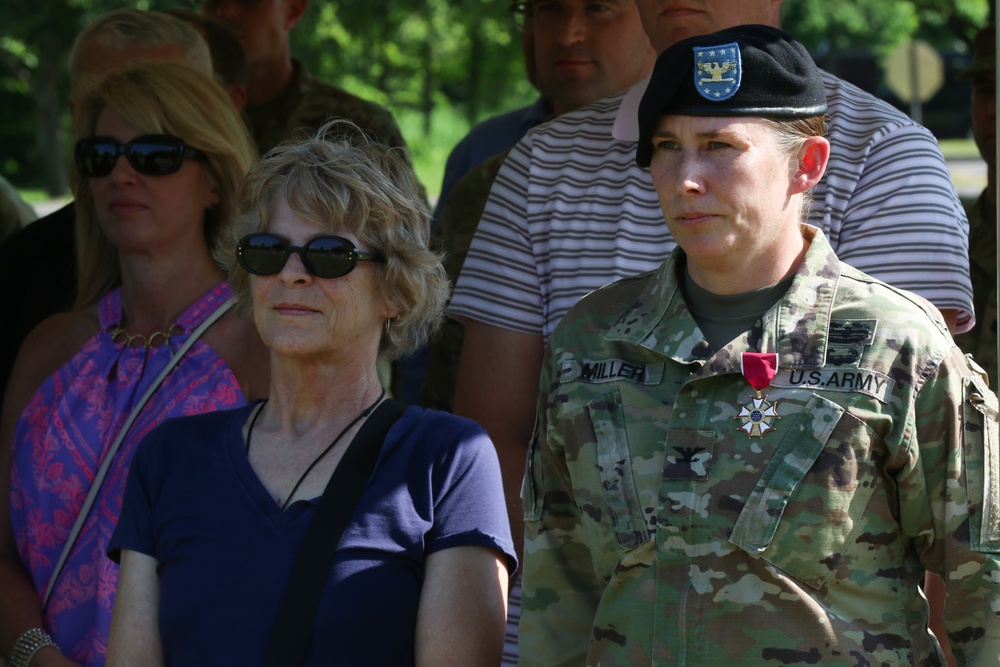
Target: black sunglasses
323, 257
150, 154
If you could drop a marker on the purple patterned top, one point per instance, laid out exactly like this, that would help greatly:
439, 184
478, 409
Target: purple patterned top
59, 443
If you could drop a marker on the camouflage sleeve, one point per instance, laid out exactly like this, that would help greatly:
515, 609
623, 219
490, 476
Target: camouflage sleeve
560, 587
955, 421
463, 209
381, 124
323, 102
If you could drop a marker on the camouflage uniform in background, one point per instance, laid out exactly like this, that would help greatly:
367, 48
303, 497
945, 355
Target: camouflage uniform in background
981, 340
657, 532
459, 220
309, 103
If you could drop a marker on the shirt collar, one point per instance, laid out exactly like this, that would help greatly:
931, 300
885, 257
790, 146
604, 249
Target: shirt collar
626, 127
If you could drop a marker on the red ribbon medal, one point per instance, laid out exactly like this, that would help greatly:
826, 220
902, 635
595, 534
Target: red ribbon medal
759, 369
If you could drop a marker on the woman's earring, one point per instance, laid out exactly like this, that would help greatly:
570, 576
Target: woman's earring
387, 323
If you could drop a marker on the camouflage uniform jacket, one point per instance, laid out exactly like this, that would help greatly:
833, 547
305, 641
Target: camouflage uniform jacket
309, 103
981, 340
657, 533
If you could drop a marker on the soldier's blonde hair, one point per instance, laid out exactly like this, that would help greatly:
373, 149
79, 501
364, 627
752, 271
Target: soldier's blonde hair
791, 132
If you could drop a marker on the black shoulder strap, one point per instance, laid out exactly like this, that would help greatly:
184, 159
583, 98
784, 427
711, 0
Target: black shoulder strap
292, 629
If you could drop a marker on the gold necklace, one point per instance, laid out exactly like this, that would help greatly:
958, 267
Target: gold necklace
119, 335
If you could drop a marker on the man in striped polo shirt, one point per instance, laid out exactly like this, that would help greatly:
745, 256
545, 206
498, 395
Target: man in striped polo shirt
578, 53
570, 211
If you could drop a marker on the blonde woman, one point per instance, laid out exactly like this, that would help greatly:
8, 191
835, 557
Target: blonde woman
160, 151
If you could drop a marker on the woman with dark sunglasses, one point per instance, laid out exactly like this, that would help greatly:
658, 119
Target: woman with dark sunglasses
330, 254
160, 153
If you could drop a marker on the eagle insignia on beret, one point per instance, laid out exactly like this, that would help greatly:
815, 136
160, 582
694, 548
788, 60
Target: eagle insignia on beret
717, 71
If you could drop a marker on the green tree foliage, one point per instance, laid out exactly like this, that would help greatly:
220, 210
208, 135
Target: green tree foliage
33, 45
35, 40
439, 65
836, 25
418, 54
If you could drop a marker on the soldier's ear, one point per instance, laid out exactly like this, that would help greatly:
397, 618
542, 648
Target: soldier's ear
809, 163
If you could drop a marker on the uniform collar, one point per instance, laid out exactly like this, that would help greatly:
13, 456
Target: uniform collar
796, 327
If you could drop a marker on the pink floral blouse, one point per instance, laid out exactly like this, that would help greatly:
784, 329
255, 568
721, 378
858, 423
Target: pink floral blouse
59, 443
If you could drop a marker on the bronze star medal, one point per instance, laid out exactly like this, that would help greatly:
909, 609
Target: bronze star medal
757, 416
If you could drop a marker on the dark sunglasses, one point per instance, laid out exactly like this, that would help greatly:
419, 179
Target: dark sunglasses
323, 257
151, 155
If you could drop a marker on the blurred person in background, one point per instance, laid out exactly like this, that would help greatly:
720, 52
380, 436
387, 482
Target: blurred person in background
282, 96
229, 60
981, 340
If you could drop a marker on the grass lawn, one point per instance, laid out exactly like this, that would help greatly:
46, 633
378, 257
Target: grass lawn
34, 196
430, 151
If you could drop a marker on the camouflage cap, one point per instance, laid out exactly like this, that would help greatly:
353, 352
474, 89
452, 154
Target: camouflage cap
984, 52
749, 70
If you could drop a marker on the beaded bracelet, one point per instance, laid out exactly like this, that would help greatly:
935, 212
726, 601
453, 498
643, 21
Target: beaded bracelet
27, 645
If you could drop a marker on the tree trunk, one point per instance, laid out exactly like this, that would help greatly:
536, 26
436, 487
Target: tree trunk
48, 130
427, 94
476, 54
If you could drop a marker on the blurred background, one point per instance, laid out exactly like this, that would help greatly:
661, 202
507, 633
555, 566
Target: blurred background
442, 65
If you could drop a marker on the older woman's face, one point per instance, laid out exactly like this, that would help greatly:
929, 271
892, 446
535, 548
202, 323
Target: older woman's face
323, 319
724, 187
150, 214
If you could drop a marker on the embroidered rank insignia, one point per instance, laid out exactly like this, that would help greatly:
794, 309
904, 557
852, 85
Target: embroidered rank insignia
718, 71
757, 417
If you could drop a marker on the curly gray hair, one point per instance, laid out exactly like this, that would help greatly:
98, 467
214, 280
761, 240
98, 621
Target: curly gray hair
342, 180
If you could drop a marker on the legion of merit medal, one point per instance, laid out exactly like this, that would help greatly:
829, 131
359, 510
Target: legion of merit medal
757, 416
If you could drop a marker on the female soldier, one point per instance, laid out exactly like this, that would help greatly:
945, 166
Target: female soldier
753, 454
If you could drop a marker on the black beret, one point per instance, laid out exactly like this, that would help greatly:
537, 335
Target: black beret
749, 70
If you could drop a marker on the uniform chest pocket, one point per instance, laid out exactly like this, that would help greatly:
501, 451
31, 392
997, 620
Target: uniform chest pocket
811, 497
615, 464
